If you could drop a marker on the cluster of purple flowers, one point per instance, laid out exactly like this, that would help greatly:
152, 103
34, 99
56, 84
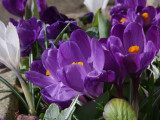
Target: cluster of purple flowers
82, 65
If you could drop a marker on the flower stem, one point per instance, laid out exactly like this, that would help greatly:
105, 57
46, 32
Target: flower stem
119, 90
135, 94
27, 94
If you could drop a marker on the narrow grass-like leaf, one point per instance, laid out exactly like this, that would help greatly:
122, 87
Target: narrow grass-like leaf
95, 21
35, 12
45, 35
15, 91
61, 34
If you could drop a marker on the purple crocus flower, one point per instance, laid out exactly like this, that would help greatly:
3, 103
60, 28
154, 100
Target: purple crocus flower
15, 7
76, 67
114, 66
28, 31
134, 49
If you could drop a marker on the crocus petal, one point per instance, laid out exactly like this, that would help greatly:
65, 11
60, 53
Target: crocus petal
49, 60
114, 44
2, 30
42, 6
147, 57
83, 41
12, 41
16, 7
69, 52
73, 76
93, 86
37, 66
132, 63
58, 93
118, 31
97, 55
153, 35
4, 55
39, 79
94, 5
134, 35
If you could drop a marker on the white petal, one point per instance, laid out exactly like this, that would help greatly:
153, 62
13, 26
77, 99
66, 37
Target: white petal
4, 56
2, 30
94, 5
12, 35
13, 45
105, 3
13, 55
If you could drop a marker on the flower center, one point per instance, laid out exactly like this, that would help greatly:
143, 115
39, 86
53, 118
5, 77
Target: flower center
123, 20
79, 63
48, 73
134, 49
145, 17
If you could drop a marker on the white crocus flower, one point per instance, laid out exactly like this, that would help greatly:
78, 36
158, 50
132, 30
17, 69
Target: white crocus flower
10, 56
94, 5
9, 46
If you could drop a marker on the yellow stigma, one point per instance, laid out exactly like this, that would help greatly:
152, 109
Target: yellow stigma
134, 49
145, 17
123, 20
79, 63
48, 73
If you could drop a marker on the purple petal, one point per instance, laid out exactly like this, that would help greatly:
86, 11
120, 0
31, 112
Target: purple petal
69, 52
42, 6
51, 15
83, 41
28, 31
15, 7
114, 44
93, 87
150, 47
37, 66
154, 36
58, 93
118, 31
97, 55
134, 35
146, 59
73, 76
39, 79
49, 60
132, 63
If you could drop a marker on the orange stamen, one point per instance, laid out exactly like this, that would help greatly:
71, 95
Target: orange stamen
134, 49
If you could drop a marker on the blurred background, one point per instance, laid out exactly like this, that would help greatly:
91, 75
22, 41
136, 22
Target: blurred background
72, 8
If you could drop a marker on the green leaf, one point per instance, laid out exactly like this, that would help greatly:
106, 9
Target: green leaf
118, 109
103, 26
67, 113
95, 21
92, 109
35, 12
28, 13
61, 34
52, 112
15, 91
92, 32
24, 63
